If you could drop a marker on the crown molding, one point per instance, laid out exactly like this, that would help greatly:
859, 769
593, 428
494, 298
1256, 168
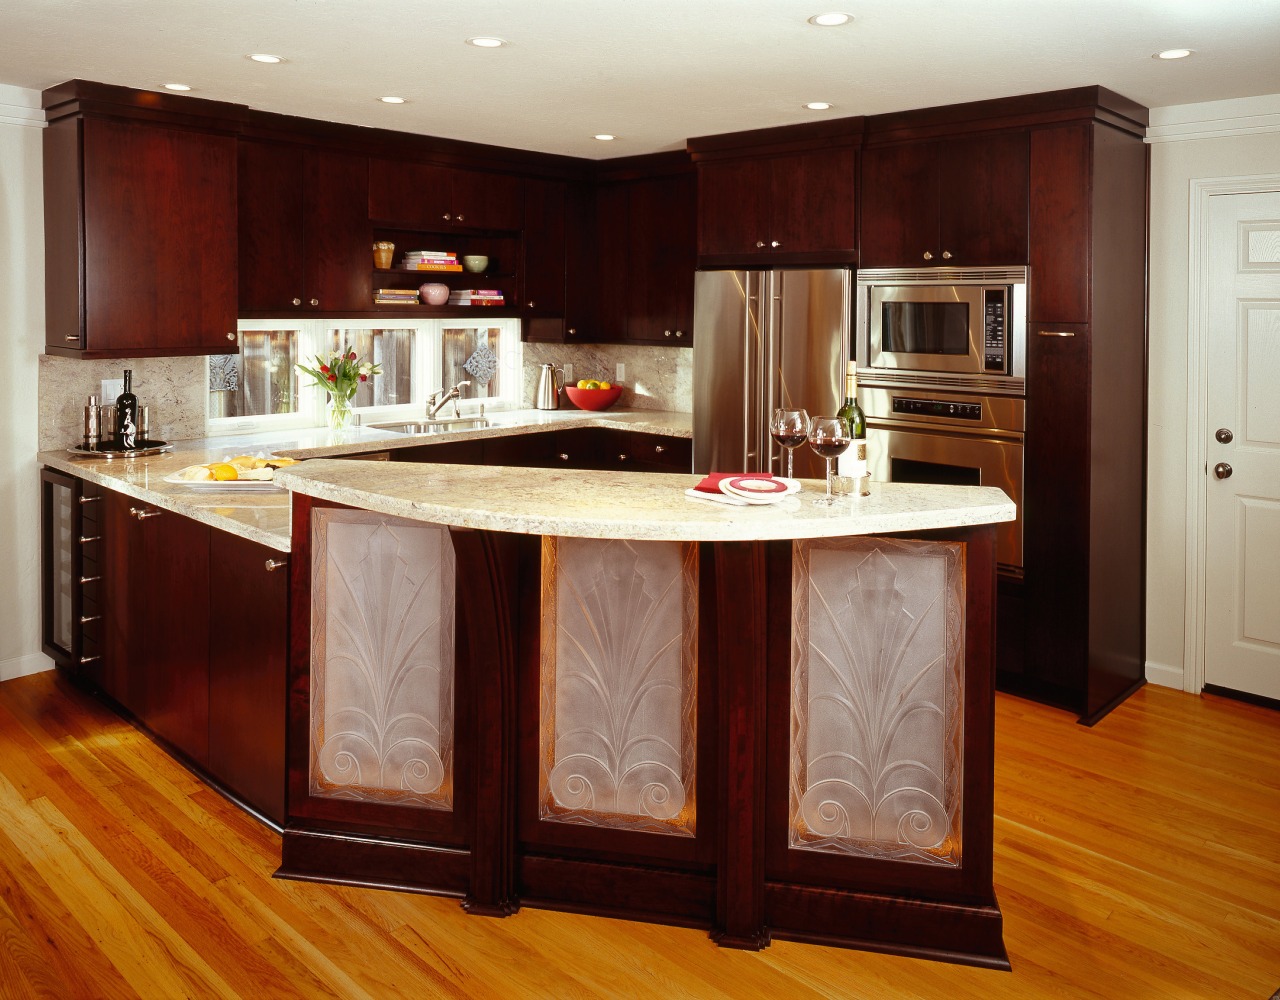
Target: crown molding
1215, 119
19, 106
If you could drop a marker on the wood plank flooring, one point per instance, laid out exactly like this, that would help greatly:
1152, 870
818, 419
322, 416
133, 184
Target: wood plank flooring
1137, 859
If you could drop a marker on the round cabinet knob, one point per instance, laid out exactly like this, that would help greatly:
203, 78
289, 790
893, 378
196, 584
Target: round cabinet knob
775, 244
759, 244
946, 254
1224, 435
1222, 470
658, 449
297, 302
315, 302
531, 303
573, 331
460, 217
274, 564
679, 333
446, 216
928, 255
666, 333
564, 457
622, 458
231, 336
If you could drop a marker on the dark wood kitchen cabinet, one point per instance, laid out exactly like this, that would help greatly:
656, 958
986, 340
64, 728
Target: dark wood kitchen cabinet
777, 197
140, 231
304, 233
958, 202
438, 198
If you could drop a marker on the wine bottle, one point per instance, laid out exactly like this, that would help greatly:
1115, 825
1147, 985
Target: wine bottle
853, 463
127, 414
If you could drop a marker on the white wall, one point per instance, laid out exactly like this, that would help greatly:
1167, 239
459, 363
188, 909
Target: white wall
1195, 141
21, 341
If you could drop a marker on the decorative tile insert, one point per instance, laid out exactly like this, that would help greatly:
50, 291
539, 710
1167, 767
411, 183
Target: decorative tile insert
876, 710
382, 666
618, 687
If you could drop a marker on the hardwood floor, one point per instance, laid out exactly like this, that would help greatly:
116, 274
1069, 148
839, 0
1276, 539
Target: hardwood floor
1135, 859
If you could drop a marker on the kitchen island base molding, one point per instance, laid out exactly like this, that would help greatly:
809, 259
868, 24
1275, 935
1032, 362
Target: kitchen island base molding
628, 740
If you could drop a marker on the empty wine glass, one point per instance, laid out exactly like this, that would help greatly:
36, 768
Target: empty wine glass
829, 437
789, 429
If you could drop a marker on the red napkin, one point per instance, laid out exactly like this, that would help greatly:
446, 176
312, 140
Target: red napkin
711, 484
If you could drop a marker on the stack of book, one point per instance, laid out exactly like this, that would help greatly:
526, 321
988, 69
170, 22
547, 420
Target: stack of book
396, 296
431, 260
476, 297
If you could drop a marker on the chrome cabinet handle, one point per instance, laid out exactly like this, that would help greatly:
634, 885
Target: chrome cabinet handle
90, 499
1224, 435
297, 302
928, 255
142, 513
1055, 333
72, 338
658, 449
1222, 470
274, 564
89, 659
86, 619
89, 579
86, 539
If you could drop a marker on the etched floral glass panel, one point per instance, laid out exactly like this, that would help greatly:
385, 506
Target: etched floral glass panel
618, 685
876, 711
382, 665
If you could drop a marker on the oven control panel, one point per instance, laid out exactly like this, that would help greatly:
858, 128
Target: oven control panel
993, 328
937, 408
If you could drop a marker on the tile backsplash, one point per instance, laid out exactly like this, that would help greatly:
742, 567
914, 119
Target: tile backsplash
658, 378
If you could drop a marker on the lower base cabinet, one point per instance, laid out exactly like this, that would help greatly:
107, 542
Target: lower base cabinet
588, 448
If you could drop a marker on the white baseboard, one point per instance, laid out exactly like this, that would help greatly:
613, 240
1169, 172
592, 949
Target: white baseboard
1165, 675
20, 666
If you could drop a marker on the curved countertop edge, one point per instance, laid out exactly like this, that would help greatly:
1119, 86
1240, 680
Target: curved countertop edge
631, 505
264, 516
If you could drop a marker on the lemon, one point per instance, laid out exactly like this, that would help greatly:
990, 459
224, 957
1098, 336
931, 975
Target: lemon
605, 385
592, 384
582, 383
224, 472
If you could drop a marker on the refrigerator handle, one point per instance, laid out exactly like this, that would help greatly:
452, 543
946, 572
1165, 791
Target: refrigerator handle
751, 360
770, 365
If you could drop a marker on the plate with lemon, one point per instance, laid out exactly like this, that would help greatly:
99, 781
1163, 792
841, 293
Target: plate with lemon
244, 472
593, 394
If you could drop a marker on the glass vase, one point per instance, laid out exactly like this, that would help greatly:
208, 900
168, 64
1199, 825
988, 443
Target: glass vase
338, 413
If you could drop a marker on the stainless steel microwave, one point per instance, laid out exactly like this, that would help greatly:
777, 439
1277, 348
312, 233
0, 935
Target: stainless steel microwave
958, 324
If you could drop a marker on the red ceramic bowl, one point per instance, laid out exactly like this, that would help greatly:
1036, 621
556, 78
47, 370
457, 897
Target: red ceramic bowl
593, 399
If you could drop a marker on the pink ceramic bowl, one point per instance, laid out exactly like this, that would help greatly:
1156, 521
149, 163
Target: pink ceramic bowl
593, 399
434, 294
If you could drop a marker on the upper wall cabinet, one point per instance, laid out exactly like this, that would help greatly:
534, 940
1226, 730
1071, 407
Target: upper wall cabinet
140, 232
304, 231
758, 205
435, 198
952, 203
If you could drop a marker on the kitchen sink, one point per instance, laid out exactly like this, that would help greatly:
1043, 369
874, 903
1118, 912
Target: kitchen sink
434, 426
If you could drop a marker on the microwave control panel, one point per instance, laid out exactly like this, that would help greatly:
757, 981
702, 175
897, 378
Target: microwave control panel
994, 325
937, 408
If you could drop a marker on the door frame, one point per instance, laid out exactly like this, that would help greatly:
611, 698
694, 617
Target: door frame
1197, 481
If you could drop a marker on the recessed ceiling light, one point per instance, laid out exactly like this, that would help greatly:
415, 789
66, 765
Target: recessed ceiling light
486, 42
605, 137
176, 86
1173, 54
263, 57
831, 20
818, 106
391, 100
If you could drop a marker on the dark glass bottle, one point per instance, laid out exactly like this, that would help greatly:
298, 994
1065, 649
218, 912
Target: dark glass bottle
127, 414
854, 461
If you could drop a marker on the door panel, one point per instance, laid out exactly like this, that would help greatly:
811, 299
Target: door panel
899, 205
983, 200
727, 321
1242, 573
338, 234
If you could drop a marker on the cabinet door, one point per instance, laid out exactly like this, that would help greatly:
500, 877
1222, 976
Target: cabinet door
248, 662
732, 206
813, 198
983, 182
612, 237
899, 206
487, 201
159, 240
272, 273
338, 235
125, 594
417, 195
543, 269
582, 273
661, 258
1061, 173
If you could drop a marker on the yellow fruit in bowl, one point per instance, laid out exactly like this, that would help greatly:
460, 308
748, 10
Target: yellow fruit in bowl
582, 383
224, 472
592, 384
606, 385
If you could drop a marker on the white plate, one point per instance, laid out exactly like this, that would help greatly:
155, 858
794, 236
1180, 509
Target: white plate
759, 489
230, 485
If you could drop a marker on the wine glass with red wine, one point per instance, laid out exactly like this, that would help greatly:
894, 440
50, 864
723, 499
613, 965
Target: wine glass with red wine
789, 429
829, 437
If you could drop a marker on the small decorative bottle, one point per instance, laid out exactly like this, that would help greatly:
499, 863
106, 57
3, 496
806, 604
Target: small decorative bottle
127, 414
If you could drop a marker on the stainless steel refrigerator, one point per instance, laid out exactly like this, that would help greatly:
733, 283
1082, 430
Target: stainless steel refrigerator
763, 340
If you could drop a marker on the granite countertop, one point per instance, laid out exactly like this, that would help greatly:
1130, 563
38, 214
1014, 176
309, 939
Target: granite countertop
263, 516
637, 505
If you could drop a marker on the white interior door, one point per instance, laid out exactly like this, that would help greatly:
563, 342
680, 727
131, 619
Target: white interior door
1242, 555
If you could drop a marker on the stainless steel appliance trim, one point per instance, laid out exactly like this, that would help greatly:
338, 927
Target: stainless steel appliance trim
996, 385
1000, 414
942, 276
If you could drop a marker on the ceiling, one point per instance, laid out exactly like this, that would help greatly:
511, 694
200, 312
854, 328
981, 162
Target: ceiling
652, 72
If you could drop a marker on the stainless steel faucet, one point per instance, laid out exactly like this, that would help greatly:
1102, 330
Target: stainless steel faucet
436, 401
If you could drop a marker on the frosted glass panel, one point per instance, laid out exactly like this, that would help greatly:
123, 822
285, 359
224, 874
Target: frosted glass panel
382, 610
618, 693
63, 556
876, 711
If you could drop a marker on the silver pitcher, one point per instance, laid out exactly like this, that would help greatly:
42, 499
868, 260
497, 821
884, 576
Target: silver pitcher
550, 382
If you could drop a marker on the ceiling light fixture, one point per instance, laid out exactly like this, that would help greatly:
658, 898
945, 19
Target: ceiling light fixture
263, 57
392, 100
176, 86
1173, 54
832, 20
605, 137
818, 106
486, 42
